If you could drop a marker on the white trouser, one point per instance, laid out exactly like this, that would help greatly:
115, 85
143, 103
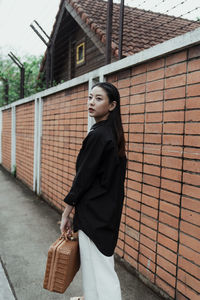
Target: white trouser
100, 281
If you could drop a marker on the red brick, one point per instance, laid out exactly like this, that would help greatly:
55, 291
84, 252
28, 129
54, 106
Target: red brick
137, 118
149, 221
154, 170
193, 90
175, 81
145, 272
136, 137
139, 69
169, 208
175, 151
134, 99
152, 138
165, 264
167, 242
134, 185
175, 93
154, 75
193, 141
171, 185
194, 51
149, 232
156, 64
190, 242
144, 240
130, 251
189, 254
153, 128
141, 78
174, 116
191, 165
133, 194
172, 139
172, 162
191, 191
189, 228
135, 156
167, 254
193, 103
136, 128
155, 85
168, 231
137, 108
132, 233
174, 104
147, 263
154, 106
154, 96
165, 287
194, 65
152, 159
150, 201
175, 58
170, 279
171, 174
189, 267
131, 242
149, 211
150, 190
169, 220
189, 293
147, 252
192, 128
176, 69
154, 117
173, 128
124, 83
138, 89
169, 196
193, 77
192, 204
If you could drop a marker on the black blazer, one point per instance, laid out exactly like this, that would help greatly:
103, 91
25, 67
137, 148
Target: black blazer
97, 191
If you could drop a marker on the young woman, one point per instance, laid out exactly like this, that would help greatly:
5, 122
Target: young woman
97, 193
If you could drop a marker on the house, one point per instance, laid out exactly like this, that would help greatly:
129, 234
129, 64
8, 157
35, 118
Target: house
78, 37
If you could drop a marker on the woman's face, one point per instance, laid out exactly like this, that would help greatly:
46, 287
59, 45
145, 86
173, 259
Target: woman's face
98, 104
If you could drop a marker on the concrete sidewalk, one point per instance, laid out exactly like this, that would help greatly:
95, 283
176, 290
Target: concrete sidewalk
28, 226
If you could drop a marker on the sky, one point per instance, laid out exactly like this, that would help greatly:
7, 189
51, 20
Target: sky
16, 16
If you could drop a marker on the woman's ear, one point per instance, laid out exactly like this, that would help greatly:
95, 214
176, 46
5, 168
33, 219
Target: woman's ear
112, 105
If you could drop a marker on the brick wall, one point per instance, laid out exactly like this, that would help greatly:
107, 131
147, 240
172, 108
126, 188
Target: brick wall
160, 229
25, 142
6, 139
160, 105
65, 122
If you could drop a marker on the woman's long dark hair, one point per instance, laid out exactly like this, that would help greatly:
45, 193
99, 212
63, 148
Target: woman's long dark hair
115, 115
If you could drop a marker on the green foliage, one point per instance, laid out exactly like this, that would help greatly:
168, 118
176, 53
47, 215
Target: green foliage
10, 71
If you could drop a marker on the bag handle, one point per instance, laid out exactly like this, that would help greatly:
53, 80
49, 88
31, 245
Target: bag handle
68, 235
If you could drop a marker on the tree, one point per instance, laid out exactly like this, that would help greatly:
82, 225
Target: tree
10, 73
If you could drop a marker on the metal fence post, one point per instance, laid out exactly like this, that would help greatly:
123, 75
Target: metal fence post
1, 129
35, 145
13, 139
39, 144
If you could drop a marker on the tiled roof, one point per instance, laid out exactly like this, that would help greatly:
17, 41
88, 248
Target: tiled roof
142, 29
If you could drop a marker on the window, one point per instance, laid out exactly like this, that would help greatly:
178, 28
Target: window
80, 54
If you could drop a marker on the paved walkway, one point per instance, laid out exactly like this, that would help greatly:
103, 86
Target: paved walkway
28, 226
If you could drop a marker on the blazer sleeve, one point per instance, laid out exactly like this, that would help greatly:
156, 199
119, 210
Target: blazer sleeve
90, 158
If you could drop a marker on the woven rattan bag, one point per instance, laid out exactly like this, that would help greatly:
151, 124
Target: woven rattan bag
63, 262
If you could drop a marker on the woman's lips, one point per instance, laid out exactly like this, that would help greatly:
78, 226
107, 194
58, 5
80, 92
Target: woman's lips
91, 109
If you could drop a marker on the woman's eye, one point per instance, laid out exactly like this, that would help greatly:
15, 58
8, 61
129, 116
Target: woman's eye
99, 99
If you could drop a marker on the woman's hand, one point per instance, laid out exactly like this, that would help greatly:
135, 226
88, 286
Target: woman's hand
65, 223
